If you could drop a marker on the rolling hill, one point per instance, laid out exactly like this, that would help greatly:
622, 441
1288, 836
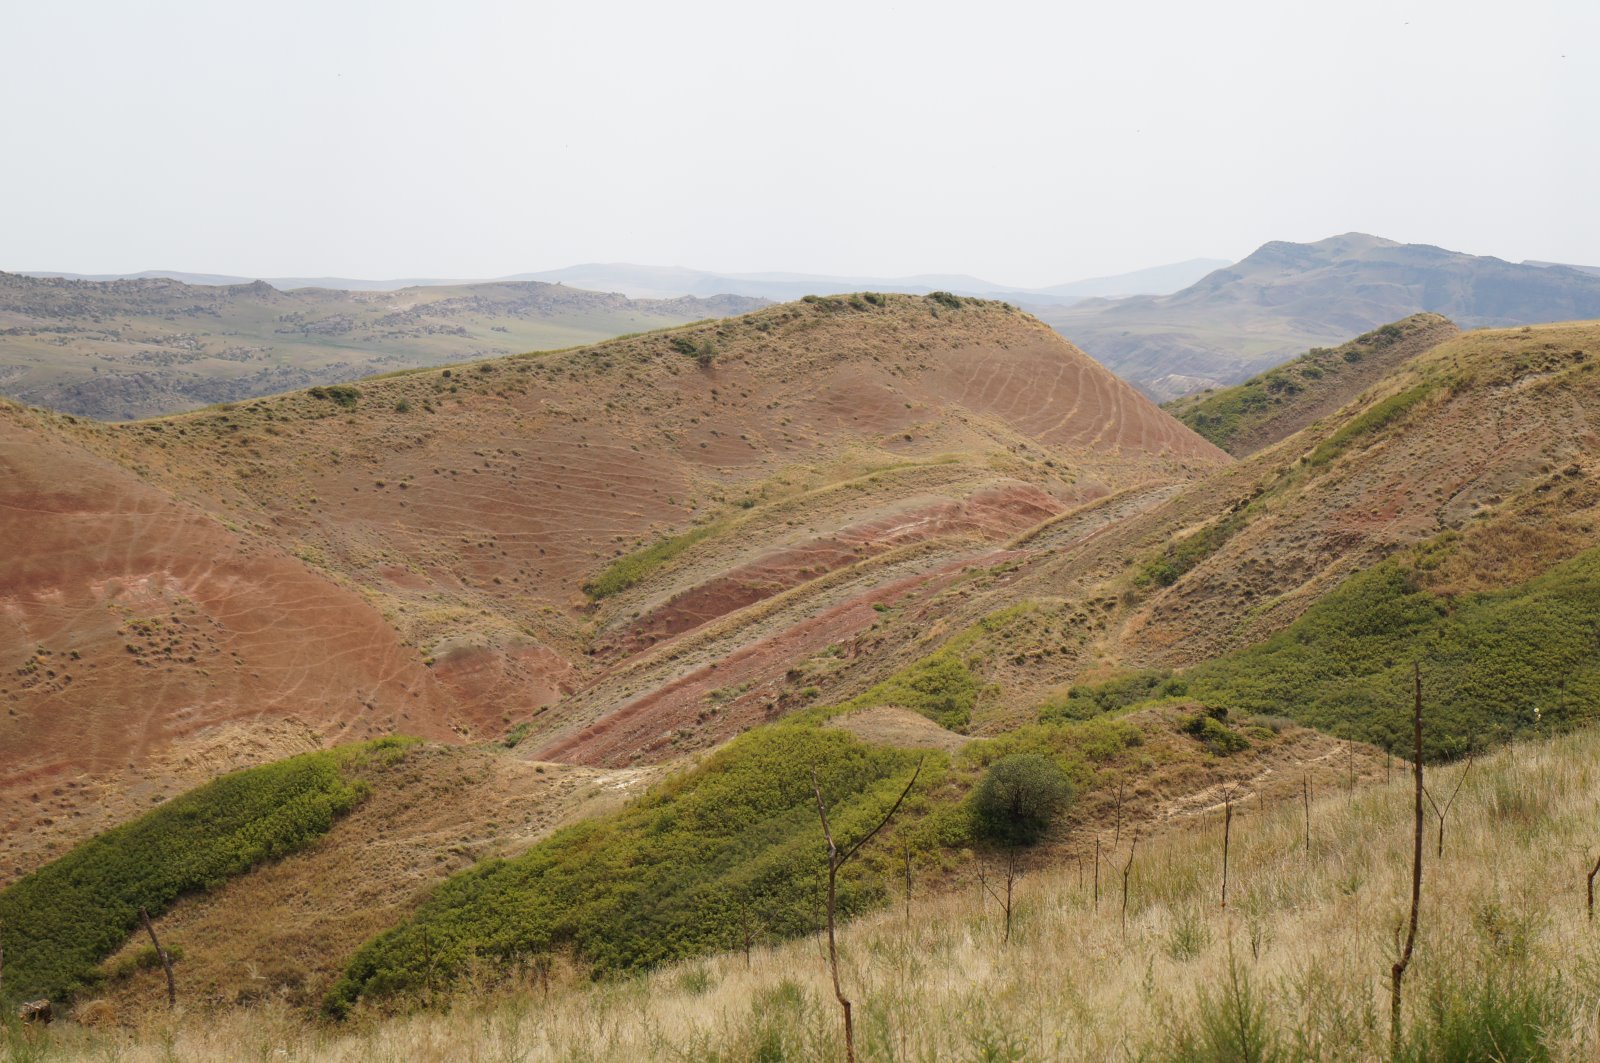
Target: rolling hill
850, 536
761, 483
1287, 297
662, 282
117, 350
673, 282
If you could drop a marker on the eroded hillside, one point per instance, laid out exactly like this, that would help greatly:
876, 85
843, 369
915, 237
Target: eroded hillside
1153, 635
735, 497
1492, 438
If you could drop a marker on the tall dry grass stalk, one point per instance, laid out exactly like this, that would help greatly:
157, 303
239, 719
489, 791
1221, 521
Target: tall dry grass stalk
1505, 955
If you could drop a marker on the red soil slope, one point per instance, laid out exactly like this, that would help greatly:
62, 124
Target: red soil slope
130, 621
413, 556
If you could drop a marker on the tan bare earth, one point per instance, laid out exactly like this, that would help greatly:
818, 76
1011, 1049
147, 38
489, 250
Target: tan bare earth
891, 725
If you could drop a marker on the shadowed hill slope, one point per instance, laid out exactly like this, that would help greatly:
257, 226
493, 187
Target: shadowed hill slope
1264, 409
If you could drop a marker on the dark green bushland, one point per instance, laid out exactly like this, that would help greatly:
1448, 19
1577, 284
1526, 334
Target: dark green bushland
1494, 664
939, 686
62, 920
731, 846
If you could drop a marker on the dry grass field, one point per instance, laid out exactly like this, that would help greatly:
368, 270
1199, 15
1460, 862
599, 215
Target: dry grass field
1295, 968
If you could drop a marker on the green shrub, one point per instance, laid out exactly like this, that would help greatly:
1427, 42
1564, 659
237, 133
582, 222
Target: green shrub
632, 568
338, 394
1215, 735
1085, 701
144, 959
1496, 1019
704, 352
1230, 1026
1018, 797
675, 874
939, 687
1494, 664
62, 920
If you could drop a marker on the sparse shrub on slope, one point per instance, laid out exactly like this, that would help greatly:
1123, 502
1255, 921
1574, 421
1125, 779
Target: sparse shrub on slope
679, 873
630, 569
61, 921
1181, 555
1373, 419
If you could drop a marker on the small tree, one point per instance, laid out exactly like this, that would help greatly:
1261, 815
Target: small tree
837, 858
1013, 807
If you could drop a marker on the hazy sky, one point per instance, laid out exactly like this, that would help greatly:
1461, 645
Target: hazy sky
1028, 143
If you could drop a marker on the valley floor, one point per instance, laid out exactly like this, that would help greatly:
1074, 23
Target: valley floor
1296, 967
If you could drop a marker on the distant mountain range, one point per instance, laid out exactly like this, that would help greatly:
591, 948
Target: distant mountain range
1172, 330
672, 282
1288, 297
123, 349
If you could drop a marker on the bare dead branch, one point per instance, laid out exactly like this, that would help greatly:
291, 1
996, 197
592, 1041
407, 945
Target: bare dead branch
836, 860
1397, 973
162, 955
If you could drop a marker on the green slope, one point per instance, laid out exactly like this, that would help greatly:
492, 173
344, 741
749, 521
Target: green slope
1494, 665
58, 923
1274, 405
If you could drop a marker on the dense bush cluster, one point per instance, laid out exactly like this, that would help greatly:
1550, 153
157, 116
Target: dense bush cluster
1494, 664
939, 686
62, 920
1084, 701
338, 394
1018, 796
729, 848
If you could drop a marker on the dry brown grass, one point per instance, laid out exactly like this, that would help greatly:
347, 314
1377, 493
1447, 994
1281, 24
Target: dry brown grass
1313, 934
